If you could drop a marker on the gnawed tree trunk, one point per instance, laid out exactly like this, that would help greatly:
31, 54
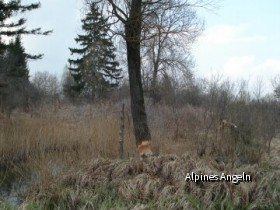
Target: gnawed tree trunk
132, 36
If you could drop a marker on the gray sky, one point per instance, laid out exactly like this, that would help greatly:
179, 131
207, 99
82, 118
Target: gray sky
63, 17
242, 40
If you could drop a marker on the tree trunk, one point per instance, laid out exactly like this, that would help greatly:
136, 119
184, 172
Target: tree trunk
132, 36
156, 63
154, 90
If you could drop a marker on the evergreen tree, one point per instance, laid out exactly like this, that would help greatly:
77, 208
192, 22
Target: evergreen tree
68, 83
16, 27
16, 59
94, 68
17, 90
10, 27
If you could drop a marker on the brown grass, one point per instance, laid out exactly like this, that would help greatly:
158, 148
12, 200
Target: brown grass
160, 182
87, 132
77, 148
25, 136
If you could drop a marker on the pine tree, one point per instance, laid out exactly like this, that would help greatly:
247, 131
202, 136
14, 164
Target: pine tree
94, 69
16, 59
17, 90
16, 27
10, 27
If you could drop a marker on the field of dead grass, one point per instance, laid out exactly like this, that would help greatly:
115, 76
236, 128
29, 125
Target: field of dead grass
89, 132
67, 159
158, 183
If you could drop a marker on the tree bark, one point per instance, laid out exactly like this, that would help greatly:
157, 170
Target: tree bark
132, 36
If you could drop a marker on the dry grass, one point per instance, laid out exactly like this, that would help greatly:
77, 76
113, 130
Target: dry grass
88, 132
70, 156
38, 136
158, 183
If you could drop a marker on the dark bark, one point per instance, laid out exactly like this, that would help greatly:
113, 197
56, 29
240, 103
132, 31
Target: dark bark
132, 36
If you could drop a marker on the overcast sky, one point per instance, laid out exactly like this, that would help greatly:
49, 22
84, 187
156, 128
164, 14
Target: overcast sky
241, 40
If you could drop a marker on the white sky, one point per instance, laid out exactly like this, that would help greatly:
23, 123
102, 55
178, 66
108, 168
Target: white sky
240, 41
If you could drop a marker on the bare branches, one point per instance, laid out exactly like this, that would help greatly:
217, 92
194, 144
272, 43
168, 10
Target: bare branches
118, 12
276, 85
169, 28
172, 18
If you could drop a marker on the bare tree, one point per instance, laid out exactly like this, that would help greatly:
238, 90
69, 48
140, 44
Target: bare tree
132, 16
47, 85
276, 86
258, 88
170, 32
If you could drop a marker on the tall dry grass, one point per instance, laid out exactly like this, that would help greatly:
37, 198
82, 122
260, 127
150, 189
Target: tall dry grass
75, 132
51, 141
37, 148
85, 132
40, 149
88, 132
157, 184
